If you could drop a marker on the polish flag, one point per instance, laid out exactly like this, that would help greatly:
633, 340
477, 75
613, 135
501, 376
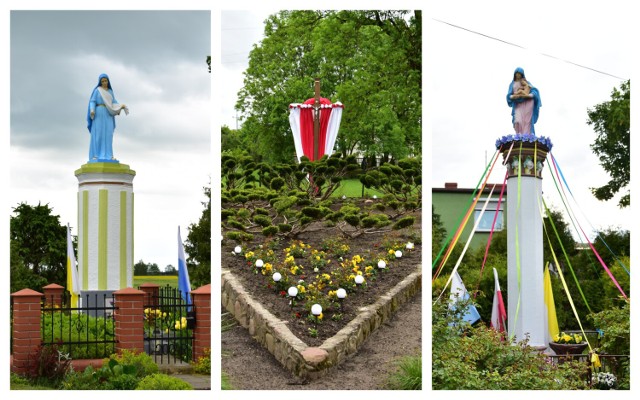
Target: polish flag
498, 314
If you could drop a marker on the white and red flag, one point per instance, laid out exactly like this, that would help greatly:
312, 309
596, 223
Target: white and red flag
498, 314
301, 121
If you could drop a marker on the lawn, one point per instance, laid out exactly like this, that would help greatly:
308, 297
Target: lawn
353, 188
162, 280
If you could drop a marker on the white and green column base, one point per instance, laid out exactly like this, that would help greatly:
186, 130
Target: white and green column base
105, 227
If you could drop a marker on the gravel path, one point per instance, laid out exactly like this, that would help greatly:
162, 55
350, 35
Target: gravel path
251, 367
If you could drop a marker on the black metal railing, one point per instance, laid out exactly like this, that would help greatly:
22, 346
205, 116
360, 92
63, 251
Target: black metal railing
82, 332
168, 326
614, 363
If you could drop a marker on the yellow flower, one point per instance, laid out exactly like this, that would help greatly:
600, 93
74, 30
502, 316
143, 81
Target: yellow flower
147, 310
359, 272
164, 315
249, 254
352, 277
331, 293
301, 289
321, 316
391, 251
317, 258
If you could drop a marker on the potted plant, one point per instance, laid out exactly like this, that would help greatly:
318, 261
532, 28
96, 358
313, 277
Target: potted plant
564, 344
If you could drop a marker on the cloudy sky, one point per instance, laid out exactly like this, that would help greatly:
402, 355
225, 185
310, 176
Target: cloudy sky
157, 64
468, 74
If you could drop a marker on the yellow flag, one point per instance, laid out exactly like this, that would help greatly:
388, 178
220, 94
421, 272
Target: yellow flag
550, 305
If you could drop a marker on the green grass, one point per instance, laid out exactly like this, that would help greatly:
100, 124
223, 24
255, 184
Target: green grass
353, 188
226, 385
409, 375
162, 280
20, 383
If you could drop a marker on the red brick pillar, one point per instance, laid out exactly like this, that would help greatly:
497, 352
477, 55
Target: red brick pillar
26, 328
151, 294
201, 298
53, 295
129, 320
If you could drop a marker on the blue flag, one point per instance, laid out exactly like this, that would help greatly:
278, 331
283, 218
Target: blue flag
184, 285
459, 292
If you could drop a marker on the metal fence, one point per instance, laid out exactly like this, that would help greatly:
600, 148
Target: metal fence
616, 364
83, 332
168, 326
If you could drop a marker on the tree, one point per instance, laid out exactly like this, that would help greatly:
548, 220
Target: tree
198, 246
369, 60
611, 121
170, 270
153, 269
39, 242
140, 268
438, 233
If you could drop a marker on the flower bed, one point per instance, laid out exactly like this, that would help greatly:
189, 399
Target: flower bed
319, 262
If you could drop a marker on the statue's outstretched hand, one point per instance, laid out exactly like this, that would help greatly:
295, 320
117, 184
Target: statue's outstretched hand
93, 114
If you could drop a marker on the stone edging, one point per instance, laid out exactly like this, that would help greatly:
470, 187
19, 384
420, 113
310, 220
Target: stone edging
302, 360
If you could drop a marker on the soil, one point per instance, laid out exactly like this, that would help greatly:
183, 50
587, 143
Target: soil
367, 245
251, 367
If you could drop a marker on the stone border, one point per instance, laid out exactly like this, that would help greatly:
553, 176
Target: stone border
302, 360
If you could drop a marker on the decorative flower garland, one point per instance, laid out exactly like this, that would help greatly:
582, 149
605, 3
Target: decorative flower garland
524, 138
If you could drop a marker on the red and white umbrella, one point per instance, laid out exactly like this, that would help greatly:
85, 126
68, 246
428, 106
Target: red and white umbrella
301, 120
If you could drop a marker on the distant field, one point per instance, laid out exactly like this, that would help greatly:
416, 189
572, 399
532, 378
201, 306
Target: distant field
162, 280
353, 188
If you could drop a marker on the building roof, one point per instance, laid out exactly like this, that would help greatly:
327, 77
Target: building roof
452, 187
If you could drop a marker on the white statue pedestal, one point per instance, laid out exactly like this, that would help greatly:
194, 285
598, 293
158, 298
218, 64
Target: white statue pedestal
525, 262
105, 227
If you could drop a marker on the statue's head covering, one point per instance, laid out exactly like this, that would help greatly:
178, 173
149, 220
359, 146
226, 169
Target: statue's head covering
520, 70
89, 120
104, 76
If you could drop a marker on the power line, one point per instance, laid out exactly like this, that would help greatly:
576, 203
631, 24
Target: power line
524, 48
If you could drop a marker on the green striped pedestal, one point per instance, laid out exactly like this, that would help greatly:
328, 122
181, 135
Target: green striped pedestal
105, 226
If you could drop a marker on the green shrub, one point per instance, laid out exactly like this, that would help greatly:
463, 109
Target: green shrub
276, 183
284, 228
243, 213
262, 220
240, 236
284, 203
163, 382
203, 364
144, 364
226, 213
261, 211
232, 223
480, 358
270, 230
305, 220
352, 219
313, 212
240, 199
57, 326
404, 223
368, 222
85, 380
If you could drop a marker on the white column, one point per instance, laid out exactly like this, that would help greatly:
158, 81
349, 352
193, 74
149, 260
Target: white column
525, 261
105, 226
